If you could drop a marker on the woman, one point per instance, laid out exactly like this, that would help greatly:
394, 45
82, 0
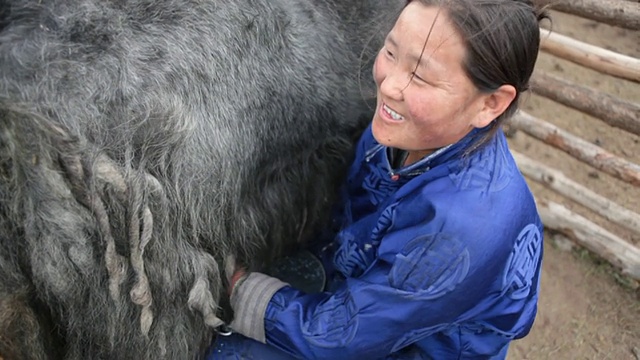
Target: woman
439, 246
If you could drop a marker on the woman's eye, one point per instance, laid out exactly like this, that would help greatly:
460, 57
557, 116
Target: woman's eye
417, 77
389, 53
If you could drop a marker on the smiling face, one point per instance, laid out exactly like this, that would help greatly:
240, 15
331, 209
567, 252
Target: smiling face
425, 101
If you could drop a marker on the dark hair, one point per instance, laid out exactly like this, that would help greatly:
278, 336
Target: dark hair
502, 39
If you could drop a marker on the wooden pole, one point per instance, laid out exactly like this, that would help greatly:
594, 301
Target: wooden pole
605, 61
621, 13
610, 247
558, 182
612, 110
578, 148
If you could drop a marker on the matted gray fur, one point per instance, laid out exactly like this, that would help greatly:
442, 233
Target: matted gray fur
143, 141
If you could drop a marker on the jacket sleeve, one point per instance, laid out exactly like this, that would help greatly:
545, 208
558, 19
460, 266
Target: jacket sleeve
422, 290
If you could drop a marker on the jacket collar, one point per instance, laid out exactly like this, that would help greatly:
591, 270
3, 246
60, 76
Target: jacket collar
436, 158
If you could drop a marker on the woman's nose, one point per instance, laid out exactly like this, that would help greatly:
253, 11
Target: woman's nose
393, 85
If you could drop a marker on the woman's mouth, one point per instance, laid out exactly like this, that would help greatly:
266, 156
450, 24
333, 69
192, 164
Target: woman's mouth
390, 113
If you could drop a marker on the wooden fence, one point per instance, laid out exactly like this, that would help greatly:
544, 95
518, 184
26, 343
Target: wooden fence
614, 111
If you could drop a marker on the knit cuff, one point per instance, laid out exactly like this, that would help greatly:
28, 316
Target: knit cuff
249, 301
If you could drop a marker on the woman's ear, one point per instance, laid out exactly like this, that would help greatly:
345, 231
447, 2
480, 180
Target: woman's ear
494, 105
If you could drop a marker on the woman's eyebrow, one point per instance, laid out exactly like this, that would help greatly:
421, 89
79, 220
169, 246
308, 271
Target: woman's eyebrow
413, 57
391, 40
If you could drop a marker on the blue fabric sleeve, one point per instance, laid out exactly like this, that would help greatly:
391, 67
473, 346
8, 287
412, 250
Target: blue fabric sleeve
391, 306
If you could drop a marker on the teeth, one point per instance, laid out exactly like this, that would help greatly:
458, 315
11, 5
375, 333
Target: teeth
393, 114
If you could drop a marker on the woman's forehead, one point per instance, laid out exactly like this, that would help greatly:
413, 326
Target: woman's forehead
426, 28
417, 22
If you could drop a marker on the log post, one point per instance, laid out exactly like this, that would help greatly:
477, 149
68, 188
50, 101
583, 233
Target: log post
610, 109
593, 57
564, 186
621, 13
578, 148
610, 247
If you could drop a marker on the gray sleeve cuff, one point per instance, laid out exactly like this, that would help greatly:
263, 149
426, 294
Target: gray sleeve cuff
249, 302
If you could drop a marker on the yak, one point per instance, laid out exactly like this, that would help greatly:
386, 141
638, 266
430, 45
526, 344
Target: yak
142, 142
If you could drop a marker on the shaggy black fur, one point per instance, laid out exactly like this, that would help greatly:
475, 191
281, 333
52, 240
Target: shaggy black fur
143, 141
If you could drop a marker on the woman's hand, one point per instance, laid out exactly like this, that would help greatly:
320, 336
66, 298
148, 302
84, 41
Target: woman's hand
238, 275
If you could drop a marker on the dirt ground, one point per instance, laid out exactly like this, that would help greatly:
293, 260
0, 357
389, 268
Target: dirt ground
586, 310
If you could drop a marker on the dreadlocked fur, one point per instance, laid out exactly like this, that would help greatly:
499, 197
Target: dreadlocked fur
142, 142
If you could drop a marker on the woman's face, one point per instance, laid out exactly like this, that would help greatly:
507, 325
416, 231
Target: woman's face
424, 102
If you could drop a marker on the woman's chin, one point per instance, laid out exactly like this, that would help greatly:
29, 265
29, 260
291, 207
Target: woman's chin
383, 132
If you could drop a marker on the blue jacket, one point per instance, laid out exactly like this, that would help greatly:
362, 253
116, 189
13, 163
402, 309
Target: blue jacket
440, 259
